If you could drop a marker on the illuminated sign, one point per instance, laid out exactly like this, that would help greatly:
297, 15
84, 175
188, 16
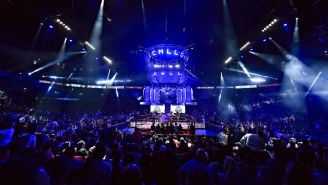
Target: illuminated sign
166, 51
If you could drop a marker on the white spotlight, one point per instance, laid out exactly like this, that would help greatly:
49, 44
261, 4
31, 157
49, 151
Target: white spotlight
257, 80
228, 60
244, 46
108, 60
89, 45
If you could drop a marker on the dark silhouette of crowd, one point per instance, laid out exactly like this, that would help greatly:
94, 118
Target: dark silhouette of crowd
38, 147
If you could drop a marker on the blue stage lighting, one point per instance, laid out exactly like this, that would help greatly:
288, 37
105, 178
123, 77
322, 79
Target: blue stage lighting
257, 80
264, 40
51, 26
285, 25
70, 40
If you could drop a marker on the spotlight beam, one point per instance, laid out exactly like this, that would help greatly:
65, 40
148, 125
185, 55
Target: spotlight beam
222, 82
292, 81
58, 60
107, 78
144, 15
220, 96
228, 30
281, 49
36, 36
107, 82
253, 74
296, 38
95, 40
244, 69
314, 81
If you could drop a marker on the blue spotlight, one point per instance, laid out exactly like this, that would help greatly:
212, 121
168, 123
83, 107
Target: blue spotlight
70, 40
97, 58
264, 40
51, 26
285, 25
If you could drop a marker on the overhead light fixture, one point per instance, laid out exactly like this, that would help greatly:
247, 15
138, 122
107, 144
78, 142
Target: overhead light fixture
63, 24
90, 45
273, 22
108, 60
245, 46
228, 60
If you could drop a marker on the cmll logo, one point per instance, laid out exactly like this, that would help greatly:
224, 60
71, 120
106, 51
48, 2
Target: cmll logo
165, 52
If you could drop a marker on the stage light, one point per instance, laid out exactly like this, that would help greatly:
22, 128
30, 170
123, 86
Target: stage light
245, 46
89, 45
157, 66
29, 74
162, 73
170, 66
264, 40
58, 20
177, 66
272, 23
70, 40
51, 26
108, 60
285, 25
228, 60
257, 80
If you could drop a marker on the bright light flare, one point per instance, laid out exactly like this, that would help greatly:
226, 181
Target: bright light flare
228, 60
257, 80
90, 45
245, 46
108, 60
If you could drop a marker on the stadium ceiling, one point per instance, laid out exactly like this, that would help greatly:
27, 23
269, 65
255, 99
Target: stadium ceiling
128, 25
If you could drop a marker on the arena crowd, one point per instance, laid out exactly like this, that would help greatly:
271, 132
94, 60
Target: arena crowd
42, 147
